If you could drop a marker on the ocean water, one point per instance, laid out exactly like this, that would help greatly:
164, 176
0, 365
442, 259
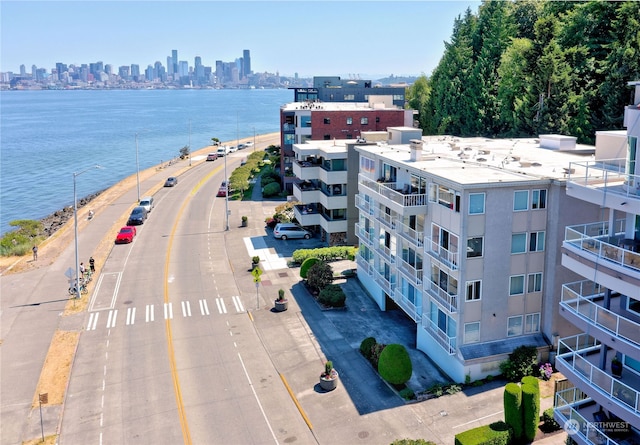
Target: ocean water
46, 136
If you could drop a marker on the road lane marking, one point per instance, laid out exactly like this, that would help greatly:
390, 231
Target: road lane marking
186, 308
237, 303
204, 309
168, 311
149, 316
93, 321
222, 309
111, 320
131, 316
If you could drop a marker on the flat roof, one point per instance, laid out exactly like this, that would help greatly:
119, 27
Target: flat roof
337, 106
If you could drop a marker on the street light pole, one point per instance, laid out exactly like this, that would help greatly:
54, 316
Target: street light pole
254, 138
75, 220
226, 192
137, 168
189, 142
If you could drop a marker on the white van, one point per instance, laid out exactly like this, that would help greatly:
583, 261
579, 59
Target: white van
223, 151
147, 203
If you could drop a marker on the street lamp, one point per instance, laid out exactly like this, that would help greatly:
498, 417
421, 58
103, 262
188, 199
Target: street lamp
75, 220
137, 168
189, 143
254, 138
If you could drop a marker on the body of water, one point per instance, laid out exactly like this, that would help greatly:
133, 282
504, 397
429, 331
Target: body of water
46, 136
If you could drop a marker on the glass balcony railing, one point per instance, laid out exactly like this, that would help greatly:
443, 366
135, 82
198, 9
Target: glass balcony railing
407, 306
364, 205
607, 175
448, 257
367, 236
414, 236
387, 254
447, 300
388, 285
413, 273
447, 343
399, 193
568, 413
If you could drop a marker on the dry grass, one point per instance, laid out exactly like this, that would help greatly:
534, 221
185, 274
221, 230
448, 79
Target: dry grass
48, 440
57, 367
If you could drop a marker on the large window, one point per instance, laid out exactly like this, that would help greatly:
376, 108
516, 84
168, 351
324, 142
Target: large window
539, 199
472, 332
514, 326
516, 285
519, 243
476, 203
474, 247
536, 242
367, 165
474, 290
520, 200
534, 282
349, 97
532, 323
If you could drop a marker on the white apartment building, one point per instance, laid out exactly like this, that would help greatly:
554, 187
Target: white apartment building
464, 235
604, 303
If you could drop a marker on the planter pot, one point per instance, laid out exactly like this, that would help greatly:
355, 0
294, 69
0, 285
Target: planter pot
244, 223
329, 383
281, 306
616, 369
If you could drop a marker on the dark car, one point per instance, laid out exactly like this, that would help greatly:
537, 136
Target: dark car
171, 181
138, 216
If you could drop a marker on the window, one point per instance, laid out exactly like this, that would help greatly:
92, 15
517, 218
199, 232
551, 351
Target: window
367, 165
472, 332
474, 247
327, 120
474, 290
305, 121
532, 323
521, 200
349, 97
633, 305
476, 203
519, 243
516, 285
539, 199
349, 120
536, 242
398, 97
534, 282
514, 326
364, 121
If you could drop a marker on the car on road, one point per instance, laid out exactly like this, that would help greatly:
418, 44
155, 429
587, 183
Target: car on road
241, 146
222, 191
222, 151
126, 235
248, 144
147, 203
171, 181
212, 156
290, 230
233, 149
138, 216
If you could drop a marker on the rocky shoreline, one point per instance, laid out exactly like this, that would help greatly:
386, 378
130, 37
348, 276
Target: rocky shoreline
53, 222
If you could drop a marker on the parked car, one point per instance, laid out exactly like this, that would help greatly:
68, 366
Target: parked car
233, 149
290, 230
248, 144
147, 203
222, 191
222, 151
171, 181
138, 216
126, 235
212, 156
241, 146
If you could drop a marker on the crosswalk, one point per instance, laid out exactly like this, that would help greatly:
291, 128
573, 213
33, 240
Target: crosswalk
166, 311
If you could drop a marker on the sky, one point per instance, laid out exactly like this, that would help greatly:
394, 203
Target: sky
369, 39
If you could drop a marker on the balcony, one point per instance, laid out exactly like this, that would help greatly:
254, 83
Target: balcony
583, 304
407, 306
306, 191
413, 236
363, 265
448, 301
446, 257
412, 273
363, 205
578, 358
605, 183
366, 236
575, 411
396, 196
387, 220
387, 285
387, 254
447, 343
308, 171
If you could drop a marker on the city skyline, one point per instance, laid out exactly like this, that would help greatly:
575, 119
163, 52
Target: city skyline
48, 32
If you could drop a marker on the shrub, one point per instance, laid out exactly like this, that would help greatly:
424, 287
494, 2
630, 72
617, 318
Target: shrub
366, 347
271, 189
269, 176
407, 394
332, 295
530, 411
550, 423
522, 361
324, 253
306, 265
412, 442
498, 433
394, 364
453, 389
376, 350
531, 380
319, 275
512, 405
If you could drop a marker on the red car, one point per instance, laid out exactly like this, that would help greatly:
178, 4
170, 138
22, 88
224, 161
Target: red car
126, 235
222, 191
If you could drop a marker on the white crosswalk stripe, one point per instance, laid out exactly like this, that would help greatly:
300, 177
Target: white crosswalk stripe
168, 311
149, 314
186, 309
204, 308
93, 321
111, 320
237, 303
222, 309
131, 316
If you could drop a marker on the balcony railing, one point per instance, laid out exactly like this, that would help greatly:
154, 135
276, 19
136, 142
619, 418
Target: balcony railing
582, 298
447, 343
364, 265
411, 235
607, 175
367, 236
386, 219
567, 414
388, 285
364, 205
387, 254
448, 301
448, 257
396, 192
595, 239
574, 352
412, 272
410, 309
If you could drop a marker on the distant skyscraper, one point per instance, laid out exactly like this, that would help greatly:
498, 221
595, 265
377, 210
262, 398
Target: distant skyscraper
135, 72
174, 60
246, 63
169, 65
23, 71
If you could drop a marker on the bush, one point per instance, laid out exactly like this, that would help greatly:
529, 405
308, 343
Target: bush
407, 394
412, 442
522, 361
498, 433
324, 253
306, 265
530, 411
332, 295
319, 276
269, 176
271, 189
376, 350
20, 241
531, 380
366, 347
550, 423
512, 405
394, 364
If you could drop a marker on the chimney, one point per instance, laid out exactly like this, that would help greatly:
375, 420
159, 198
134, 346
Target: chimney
415, 145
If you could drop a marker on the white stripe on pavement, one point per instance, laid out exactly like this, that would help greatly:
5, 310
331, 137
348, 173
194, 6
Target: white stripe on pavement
204, 309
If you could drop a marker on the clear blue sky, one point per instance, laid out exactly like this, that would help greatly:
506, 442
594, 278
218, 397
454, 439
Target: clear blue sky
308, 37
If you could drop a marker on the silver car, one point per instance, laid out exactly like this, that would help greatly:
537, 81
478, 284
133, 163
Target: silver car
289, 230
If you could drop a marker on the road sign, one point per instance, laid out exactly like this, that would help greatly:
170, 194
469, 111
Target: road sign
44, 398
256, 272
70, 273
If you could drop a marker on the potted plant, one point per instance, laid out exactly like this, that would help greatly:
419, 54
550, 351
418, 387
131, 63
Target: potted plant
244, 221
329, 378
616, 367
254, 261
281, 303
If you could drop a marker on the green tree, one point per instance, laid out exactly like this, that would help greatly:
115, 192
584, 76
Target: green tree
418, 97
319, 275
512, 405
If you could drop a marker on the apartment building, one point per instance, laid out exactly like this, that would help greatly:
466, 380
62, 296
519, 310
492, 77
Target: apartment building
336, 89
464, 236
603, 407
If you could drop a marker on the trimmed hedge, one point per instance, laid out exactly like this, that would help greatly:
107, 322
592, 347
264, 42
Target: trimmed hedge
325, 254
271, 189
332, 295
366, 347
531, 380
394, 364
306, 265
512, 401
530, 410
498, 433
550, 423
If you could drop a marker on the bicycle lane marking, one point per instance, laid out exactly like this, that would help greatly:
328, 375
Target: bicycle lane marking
106, 291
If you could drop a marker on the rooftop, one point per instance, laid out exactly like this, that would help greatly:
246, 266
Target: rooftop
337, 106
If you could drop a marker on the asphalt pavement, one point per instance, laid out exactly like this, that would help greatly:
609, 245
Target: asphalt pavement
363, 409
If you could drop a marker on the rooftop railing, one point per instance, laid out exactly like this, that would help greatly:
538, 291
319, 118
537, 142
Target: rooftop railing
605, 174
